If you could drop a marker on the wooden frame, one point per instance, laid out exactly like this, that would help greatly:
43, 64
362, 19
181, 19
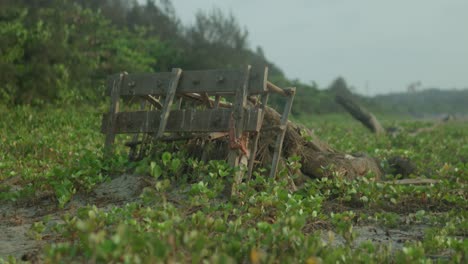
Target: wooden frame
240, 120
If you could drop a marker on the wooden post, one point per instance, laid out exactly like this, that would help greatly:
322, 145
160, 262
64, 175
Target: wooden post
133, 144
216, 102
179, 103
283, 126
234, 156
168, 102
114, 109
254, 145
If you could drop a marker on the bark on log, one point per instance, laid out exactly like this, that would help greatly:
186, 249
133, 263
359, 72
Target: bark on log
361, 114
317, 157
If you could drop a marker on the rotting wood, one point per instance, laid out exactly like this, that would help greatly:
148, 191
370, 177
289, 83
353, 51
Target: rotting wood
254, 146
187, 120
206, 98
114, 108
199, 98
195, 125
154, 101
361, 114
235, 157
417, 181
275, 89
318, 159
213, 82
216, 101
279, 141
168, 102
135, 142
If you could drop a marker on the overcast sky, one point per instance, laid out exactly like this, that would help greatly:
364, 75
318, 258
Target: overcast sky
386, 44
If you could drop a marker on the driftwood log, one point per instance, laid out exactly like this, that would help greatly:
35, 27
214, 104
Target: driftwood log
360, 113
318, 159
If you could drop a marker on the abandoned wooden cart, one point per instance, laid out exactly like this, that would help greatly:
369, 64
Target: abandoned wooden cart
182, 104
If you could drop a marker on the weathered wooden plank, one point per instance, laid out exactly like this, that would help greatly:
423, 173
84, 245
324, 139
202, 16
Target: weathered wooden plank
114, 108
135, 141
210, 81
254, 144
279, 140
171, 91
235, 156
212, 120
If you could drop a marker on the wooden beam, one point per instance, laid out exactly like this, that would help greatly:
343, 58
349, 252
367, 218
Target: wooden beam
213, 82
279, 140
235, 156
168, 102
254, 144
216, 101
199, 98
114, 109
275, 89
133, 144
212, 120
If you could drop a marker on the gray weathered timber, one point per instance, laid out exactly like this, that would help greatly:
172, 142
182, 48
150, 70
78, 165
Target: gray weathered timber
171, 91
254, 145
135, 140
280, 138
235, 157
360, 113
212, 120
212, 82
114, 108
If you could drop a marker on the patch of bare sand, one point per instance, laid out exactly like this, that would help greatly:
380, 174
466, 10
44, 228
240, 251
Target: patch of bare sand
16, 218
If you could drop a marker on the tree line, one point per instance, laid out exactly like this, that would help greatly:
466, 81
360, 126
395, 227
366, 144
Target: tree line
61, 51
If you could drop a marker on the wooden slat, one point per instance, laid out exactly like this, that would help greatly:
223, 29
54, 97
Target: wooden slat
171, 91
210, 81
212, 120
254, 144
280, 138
275, 89
114, 108
135, 140
235, 157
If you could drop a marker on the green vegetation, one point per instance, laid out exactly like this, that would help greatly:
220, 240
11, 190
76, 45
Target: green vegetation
61, 51
54, 58
182, 216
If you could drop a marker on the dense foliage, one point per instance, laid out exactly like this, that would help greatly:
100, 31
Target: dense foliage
182, 216
429, 101
61, 51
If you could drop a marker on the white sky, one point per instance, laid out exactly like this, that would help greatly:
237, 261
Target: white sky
384, 43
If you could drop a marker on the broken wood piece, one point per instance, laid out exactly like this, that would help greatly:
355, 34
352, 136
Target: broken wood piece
208, 120
235, 156
418, 181
168, 102
217, 135
275, 89
280, 137
154, 101
254, 145
206, 98
361, 114
114, 109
